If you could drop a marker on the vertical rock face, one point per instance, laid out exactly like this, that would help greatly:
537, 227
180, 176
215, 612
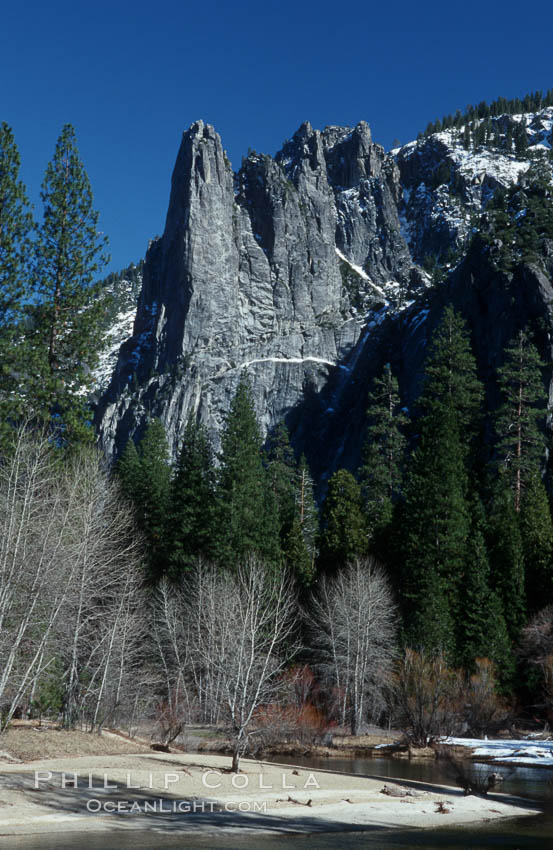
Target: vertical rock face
302, 271
265, 272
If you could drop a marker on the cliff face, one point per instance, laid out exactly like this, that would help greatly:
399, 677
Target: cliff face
302, 271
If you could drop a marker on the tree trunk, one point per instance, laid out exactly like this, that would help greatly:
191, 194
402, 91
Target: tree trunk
236, 758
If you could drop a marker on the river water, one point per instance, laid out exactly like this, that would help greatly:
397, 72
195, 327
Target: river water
534, 832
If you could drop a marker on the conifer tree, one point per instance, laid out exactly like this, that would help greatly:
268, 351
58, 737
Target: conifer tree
521, 140
128, 469
15, 229
435, 527
520, 442
153, 497
475, 590
507, 559
482, 628
281, 472
297, 556
247, 507
145, 479
435, 515
450, 379
381, 472
192, 503
306, 507
69, 253
300, 545
344, 529
537, 539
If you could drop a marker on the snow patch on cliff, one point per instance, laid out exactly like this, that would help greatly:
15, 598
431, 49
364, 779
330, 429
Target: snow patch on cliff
289, 360
117, 334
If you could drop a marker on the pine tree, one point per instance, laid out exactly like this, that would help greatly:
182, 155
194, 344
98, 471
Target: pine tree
192, 503
537, 540
300, 545
247, 507
381, 472
521, 140
297, 556
154, 498
450, 379
68, 255
520, 443
345, 532
435, 516
475, 592
507, 559
280, 464
306, 507
128, 469
483, 631
145, 477
435, 527
15, 228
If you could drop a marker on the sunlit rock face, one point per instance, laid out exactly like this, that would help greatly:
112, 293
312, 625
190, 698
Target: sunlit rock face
305, 272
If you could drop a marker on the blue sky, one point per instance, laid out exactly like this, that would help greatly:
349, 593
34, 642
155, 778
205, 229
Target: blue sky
132, 76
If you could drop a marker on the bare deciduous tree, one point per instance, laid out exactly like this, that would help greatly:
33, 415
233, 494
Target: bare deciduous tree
426, 697
241, 639
101, 626
352, 620
483, 708
35, 518
69, 581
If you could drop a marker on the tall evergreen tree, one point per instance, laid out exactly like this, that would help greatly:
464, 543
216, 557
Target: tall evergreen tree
450, 379
145, 478
155, 492
520, 442
306, 507
297, 556
507, 559
537, 540
435, 515
344, 528
69, 253
381, 472
128, 469
300, 545
435, 520
247, 506
192, 530
482, 628
15, 229
280, 464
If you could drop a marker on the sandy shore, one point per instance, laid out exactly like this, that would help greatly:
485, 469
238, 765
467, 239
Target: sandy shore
176, 793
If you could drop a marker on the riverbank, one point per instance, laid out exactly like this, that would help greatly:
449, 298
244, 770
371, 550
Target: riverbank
178, 793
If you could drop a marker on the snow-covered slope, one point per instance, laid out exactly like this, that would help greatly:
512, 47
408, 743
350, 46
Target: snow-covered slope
445, 184
121, 293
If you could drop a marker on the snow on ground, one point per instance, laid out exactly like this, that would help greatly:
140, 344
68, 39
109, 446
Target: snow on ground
505, 168
508, 751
